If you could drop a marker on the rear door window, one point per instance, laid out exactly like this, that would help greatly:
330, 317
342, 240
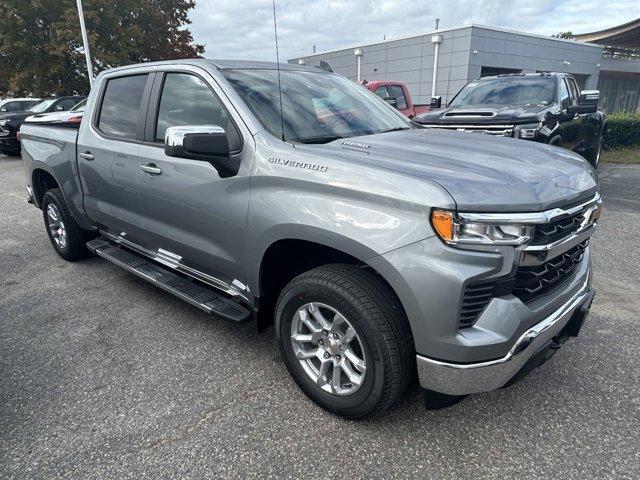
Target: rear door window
121, 105
396, 92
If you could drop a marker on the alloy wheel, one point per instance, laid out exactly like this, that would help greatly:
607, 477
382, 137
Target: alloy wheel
328, 348
56, 226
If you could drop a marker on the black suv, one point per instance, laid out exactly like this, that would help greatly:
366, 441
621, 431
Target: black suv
543, 107
10, 122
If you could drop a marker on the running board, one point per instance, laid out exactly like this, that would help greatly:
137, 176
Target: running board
204, 298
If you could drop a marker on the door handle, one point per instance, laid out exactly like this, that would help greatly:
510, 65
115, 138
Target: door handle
87, 155
151, 169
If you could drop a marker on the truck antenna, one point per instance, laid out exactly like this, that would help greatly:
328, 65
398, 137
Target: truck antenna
275, 29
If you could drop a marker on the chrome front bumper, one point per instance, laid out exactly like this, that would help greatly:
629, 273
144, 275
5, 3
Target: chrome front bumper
467, 378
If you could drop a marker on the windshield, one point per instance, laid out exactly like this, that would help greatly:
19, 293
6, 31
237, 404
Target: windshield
316, 107
79, 107
41, 106
507, 91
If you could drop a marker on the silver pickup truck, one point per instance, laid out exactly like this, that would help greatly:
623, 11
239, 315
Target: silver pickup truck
380, 251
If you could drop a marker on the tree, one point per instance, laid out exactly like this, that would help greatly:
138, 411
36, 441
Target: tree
567, 35
41, 50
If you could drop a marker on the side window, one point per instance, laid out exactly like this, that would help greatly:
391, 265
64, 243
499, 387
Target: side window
397, 93
565, 96
575, 94
66, 104
382, 92
121, 105
11, 107
27, 104
187, 100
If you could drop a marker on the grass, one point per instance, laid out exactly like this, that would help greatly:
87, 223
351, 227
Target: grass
621, 155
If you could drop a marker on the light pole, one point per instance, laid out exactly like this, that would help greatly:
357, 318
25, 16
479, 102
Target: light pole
85, 41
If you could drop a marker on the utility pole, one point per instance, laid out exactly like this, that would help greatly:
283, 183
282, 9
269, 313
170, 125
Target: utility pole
85, 41
437, 23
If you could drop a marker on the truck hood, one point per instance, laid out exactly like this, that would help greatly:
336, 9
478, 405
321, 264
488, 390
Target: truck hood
481, 172
484, 114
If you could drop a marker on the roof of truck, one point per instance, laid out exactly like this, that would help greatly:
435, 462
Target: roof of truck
227, 64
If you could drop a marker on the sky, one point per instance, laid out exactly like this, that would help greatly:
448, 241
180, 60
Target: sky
243, 29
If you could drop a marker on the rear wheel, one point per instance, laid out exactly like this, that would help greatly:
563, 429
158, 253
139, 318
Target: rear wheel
345, 340
67, 238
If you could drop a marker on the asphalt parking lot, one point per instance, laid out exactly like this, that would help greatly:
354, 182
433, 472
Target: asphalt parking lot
104, 376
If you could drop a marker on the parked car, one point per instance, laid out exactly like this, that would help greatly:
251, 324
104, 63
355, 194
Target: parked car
15, 105
376, 248
71, 118
543, 107
396, 94
10, 122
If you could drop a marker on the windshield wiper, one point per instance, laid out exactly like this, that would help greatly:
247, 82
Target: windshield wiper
395, 129
326, 139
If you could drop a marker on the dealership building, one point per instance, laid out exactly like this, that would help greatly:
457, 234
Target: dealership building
439, 63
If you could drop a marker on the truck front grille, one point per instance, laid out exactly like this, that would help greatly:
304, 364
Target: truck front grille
534, 282
558, 229
528, 284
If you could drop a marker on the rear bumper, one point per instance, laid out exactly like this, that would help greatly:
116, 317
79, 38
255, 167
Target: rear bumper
531, 349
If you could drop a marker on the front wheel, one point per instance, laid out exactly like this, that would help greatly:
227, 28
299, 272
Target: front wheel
345, 340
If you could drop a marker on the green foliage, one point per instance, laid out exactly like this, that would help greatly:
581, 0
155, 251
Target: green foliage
41, 49
566, 35
622, 130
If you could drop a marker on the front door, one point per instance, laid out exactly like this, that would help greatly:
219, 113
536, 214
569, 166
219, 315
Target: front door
570, 124
192, 217
108, 147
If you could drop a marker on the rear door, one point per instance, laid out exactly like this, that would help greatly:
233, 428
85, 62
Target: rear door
192, 217
107, 155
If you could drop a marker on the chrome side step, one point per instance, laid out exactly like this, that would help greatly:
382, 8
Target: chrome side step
202, 297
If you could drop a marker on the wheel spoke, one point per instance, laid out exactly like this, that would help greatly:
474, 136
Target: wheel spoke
302, 337
357, 363
335, 379
302, 354
349, 336
322, 374
354, 378
304, 317
317, 315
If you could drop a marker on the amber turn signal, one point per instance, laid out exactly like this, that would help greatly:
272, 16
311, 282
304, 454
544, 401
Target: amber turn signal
442, 222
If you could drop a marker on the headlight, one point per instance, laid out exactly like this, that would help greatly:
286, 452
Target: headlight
527, 132
454, 230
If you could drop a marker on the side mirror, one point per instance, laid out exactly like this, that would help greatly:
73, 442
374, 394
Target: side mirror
436, 102
588, 102
391, 101
208, 143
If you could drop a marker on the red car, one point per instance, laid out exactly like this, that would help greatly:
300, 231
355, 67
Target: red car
396, 94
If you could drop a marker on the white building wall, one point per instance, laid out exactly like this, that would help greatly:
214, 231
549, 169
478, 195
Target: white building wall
463, 53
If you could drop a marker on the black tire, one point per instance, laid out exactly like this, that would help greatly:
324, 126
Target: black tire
10, 153
378, 318
74, 247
